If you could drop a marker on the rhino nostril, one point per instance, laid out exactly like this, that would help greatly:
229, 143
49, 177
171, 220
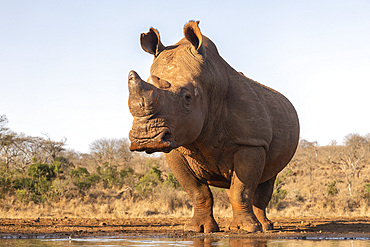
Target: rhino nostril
166, 136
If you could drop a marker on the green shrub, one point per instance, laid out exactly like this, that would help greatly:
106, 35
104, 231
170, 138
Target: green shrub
109, 175
332, 188
171, 181
277, 197
79, 172
56, 167
367, 191
38, 170
149, 181
82, 179
41, 176
42, 186
22, 195
5, 180
21, 182
5, 186
36, 183
279, 194
126, 172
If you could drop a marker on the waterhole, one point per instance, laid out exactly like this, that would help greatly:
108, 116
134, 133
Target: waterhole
173, 242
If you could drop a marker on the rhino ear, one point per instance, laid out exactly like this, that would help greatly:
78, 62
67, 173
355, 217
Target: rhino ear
193, 34
151, 42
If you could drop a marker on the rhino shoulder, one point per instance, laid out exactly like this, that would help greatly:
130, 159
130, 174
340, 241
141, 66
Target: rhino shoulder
259, 84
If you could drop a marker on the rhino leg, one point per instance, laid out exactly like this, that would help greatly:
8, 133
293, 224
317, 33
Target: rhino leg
200, 194
248, 166
261, 199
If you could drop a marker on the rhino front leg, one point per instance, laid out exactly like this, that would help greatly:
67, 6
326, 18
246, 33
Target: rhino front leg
248, 167
200, 194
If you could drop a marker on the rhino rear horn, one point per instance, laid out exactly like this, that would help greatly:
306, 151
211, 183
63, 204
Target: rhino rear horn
151, 42
137, 85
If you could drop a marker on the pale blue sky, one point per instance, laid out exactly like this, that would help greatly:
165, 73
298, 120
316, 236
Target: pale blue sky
64, 64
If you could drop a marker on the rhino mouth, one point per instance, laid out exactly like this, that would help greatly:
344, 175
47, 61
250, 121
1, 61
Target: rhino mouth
158, 139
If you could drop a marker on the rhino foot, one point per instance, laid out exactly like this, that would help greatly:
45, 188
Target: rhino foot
268, 225
245, 224
206, 225
260, 213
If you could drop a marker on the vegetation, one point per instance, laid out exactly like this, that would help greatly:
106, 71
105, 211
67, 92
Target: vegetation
40, 178
327, 180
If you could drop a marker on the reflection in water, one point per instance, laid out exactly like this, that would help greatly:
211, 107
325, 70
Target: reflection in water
174, 242
209, 242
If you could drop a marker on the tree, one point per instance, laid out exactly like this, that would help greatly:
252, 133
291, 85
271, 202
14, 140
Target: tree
3, 123
18, 150
52, 148
110, 151
8, 152
6, 139
352, 158
311, 147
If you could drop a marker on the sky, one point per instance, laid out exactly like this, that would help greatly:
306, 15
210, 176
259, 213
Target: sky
64, 64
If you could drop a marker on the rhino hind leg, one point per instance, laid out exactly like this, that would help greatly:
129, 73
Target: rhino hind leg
248, 168
200, 194
262, 197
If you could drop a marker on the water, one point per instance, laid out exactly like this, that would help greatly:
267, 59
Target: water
174, 242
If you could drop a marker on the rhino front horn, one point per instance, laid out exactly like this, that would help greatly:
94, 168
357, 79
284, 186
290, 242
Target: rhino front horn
134, 82
143, 97
133, 76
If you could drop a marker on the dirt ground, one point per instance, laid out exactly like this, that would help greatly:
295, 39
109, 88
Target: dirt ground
300, 228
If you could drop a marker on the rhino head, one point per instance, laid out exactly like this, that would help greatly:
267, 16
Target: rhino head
170, 108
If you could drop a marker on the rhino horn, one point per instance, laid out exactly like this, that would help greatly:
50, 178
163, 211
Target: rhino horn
134, 83
143, 96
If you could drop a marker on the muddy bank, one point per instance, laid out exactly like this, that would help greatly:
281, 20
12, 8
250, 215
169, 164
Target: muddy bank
301, 228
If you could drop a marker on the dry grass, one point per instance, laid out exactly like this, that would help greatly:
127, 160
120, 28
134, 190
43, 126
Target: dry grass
107, 204
315, 183
101, 204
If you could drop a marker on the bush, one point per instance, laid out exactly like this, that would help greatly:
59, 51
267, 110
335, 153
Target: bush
277, 197
332, 188
126, 172
366, 191
149, 181
279, 194
109, 175
40, 170
36, 183
171, 181
22, 182
79, 172
56, 167
41, 176
128, 177
22, 195
41, 186
82, 179
5, 180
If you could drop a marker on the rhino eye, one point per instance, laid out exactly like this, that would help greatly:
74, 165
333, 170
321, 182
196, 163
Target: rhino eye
188, 97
